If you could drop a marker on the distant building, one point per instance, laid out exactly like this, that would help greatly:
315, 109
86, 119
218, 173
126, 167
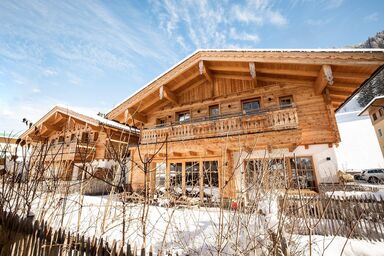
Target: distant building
359, 148
375, 109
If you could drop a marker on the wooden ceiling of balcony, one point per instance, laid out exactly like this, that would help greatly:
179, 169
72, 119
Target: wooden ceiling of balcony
336, 74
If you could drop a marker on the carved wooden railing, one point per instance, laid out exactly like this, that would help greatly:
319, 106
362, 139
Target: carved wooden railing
234, 124
73, 150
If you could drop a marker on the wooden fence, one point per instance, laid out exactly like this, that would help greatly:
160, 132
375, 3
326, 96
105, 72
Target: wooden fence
23, 237
352, 217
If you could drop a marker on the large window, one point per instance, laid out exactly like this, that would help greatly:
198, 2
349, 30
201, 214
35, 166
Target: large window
183, 116
279, 173
250, 106
211, 180
176, 176
160, 175
302, 172
192, 178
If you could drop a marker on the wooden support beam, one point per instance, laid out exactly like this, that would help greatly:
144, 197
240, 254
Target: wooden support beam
192, 153
209, 152
162, 155
203, 70
58, 117
324, 79
252, 71
177, 154
136, 115
166, 94
292, 147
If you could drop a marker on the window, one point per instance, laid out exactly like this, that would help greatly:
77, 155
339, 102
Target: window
95, 136
302, 172
374, 116
61, 139
85, 137
286, 102
381, 112
183, 116
380, 132
211, 180
161, 122
160, 175
214, 111
192, 178
250, 106
73, 136
176, 176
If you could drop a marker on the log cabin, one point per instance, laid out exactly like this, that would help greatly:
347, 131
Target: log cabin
210, 123
68, 140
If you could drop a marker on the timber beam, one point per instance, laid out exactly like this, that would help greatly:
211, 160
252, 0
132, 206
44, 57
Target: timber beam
252, 71
324, 79
166, 94
136, 115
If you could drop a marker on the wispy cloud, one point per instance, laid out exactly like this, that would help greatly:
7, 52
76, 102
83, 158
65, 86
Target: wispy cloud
372, 17
209, 24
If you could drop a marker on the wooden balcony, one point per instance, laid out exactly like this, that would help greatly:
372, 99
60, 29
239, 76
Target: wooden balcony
272, 119
74, 151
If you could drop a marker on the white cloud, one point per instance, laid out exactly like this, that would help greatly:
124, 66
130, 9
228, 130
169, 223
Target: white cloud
372, 17
243, 36
333, 4
259, 12
208, 24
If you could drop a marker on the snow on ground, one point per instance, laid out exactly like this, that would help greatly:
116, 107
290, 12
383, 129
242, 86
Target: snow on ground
191, 230
359, 148
326, 245
356, 194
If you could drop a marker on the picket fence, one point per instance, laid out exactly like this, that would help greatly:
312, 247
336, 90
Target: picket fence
352, 217
20, 236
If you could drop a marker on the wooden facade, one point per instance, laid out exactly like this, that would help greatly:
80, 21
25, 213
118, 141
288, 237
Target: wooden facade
215, 111
65, 138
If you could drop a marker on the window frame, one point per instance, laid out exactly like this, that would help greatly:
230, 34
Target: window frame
212, 107
286, 97
183, 113
258, 99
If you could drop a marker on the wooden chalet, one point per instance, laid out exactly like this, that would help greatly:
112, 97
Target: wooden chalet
67, 139
210, 122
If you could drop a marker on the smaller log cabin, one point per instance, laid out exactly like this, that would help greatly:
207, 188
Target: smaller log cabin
67, 139
211, 125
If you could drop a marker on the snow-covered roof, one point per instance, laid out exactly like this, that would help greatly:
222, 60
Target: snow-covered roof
328, 50
364, 111
90, 118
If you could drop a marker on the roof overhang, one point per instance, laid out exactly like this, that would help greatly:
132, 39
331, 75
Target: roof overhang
375, 102
60, 113
344, 63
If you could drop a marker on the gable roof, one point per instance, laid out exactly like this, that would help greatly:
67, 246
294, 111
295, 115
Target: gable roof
376, 100
370, 59
94, 120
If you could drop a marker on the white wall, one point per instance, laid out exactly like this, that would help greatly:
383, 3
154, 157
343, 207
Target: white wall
359, 148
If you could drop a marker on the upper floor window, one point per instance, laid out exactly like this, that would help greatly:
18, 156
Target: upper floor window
95, 136
251, 105
214, 111
61, 139
85, 137
380, 132
286, 102
374, 116
183, 116
161, 121
381, 112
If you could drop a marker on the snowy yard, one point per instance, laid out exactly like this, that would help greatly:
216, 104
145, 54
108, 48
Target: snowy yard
192, 230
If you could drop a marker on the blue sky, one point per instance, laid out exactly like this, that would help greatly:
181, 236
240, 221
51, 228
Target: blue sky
93, 54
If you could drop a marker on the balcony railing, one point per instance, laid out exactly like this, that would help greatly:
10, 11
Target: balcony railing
74, 150
225, 125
